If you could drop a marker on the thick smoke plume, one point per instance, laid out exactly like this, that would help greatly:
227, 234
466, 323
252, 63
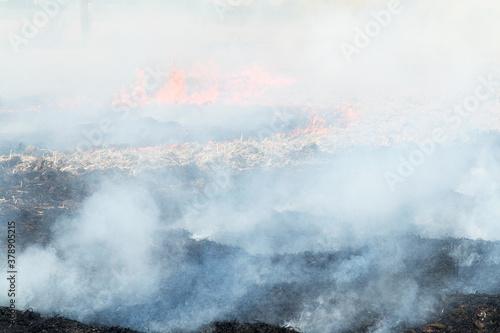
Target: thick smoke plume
389, 222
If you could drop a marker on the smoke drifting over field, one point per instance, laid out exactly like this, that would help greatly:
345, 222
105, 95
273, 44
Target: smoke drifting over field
426, 48
119, 262
323, 245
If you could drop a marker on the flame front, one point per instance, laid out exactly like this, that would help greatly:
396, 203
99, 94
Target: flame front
203, 84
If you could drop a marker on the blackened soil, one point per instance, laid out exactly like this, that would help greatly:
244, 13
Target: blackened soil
38, 195
474, 313
31, 322
459, 313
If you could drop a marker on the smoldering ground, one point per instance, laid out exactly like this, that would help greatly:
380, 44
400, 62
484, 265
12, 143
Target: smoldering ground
67, 88
325, 247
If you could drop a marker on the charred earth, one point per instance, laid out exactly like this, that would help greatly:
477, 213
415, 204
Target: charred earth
404, 283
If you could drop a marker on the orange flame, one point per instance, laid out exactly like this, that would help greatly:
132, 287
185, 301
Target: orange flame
176, 91
202, 84
253, 83
138, 95
325, 120
349, 115
316, 125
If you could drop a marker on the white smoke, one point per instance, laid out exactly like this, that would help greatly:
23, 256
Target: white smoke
97, 260
332, 241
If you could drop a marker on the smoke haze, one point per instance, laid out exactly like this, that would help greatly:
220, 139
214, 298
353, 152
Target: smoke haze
317, 245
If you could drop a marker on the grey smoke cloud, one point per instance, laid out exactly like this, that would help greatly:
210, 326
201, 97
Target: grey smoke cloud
332, 241
99, 259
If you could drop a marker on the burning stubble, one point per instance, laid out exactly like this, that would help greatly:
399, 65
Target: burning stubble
241, 174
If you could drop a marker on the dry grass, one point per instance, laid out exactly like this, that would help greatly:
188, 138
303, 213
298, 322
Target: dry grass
238, 154
390, 125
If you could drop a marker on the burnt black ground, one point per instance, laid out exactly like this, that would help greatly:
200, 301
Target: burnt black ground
460, 313
29, 321
456, 313
44, 193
